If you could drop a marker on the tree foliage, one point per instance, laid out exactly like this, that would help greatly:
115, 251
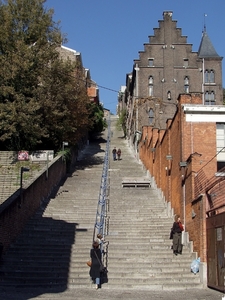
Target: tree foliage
121, 122
97, 116
43, 102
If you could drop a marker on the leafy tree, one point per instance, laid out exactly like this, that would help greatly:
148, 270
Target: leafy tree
65, 107
42, 99
97, 116
121, 122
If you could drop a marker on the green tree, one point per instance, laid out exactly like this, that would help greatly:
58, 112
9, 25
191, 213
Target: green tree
121, 122
42, 99
65, 105
97, 117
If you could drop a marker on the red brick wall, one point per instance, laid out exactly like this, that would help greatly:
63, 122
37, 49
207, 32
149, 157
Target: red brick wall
185, 142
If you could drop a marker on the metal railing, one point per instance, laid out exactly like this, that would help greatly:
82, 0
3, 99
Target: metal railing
101, 214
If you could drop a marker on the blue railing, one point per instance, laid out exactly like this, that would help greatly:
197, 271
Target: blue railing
101, 214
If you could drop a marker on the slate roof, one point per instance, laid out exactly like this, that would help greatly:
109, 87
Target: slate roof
206, 48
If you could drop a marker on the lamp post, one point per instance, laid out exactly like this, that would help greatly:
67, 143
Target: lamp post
47, 159
64, 144
22, 169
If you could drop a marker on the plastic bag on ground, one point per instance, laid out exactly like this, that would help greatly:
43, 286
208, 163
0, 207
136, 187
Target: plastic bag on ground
195, 265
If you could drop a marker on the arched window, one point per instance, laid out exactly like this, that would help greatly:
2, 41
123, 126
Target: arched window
209, 98
209, 76
212, 76
186, 84
151, 116
150, 86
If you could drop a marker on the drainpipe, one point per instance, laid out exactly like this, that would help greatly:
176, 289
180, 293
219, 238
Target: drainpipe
183, 175
203, 74
136, 99
184, 201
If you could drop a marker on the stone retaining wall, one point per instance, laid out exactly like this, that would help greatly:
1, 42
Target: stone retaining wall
15, 212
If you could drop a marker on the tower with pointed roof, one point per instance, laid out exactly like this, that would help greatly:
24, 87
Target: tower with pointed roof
166, 68
212, 89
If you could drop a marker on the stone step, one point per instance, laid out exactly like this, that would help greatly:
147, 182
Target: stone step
79, 269
126, 282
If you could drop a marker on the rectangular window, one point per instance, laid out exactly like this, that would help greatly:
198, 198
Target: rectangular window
209, 76
150, 62
220, 142
210, 98
186, 62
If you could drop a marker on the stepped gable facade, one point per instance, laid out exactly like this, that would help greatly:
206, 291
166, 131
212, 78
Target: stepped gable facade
166, 68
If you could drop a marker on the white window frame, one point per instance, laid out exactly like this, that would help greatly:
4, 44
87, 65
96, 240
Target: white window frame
210, 98
150, 85
186, 84
151, 62
220, 141
186, 62
209, 76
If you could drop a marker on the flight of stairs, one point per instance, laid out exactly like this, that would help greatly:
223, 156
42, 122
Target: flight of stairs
140, 255
52, 250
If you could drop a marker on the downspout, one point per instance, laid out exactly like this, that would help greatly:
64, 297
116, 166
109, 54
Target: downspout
136, 100
203, 74
182, 115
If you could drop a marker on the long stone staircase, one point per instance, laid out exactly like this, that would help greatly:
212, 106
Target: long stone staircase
52, 251
140, 254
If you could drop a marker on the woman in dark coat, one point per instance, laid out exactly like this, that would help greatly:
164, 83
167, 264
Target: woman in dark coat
95, 255
177, 231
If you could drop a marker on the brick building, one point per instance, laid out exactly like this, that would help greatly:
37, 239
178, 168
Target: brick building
165, 68
184, 161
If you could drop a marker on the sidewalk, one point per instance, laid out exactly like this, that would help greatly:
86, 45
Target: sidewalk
88, 294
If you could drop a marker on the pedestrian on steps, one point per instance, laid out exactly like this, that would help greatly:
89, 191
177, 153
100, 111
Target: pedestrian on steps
114, 153
95, 255
119, 154
177, 234
102, 243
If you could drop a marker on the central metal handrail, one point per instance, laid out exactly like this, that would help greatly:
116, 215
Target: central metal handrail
101, 214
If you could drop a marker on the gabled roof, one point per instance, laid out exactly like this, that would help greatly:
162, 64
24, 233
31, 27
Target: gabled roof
206, 48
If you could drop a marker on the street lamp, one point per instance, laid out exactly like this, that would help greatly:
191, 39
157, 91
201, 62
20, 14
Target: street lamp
22, 169
64, 144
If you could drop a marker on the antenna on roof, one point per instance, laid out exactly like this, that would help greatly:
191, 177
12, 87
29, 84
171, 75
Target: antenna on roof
204, 30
